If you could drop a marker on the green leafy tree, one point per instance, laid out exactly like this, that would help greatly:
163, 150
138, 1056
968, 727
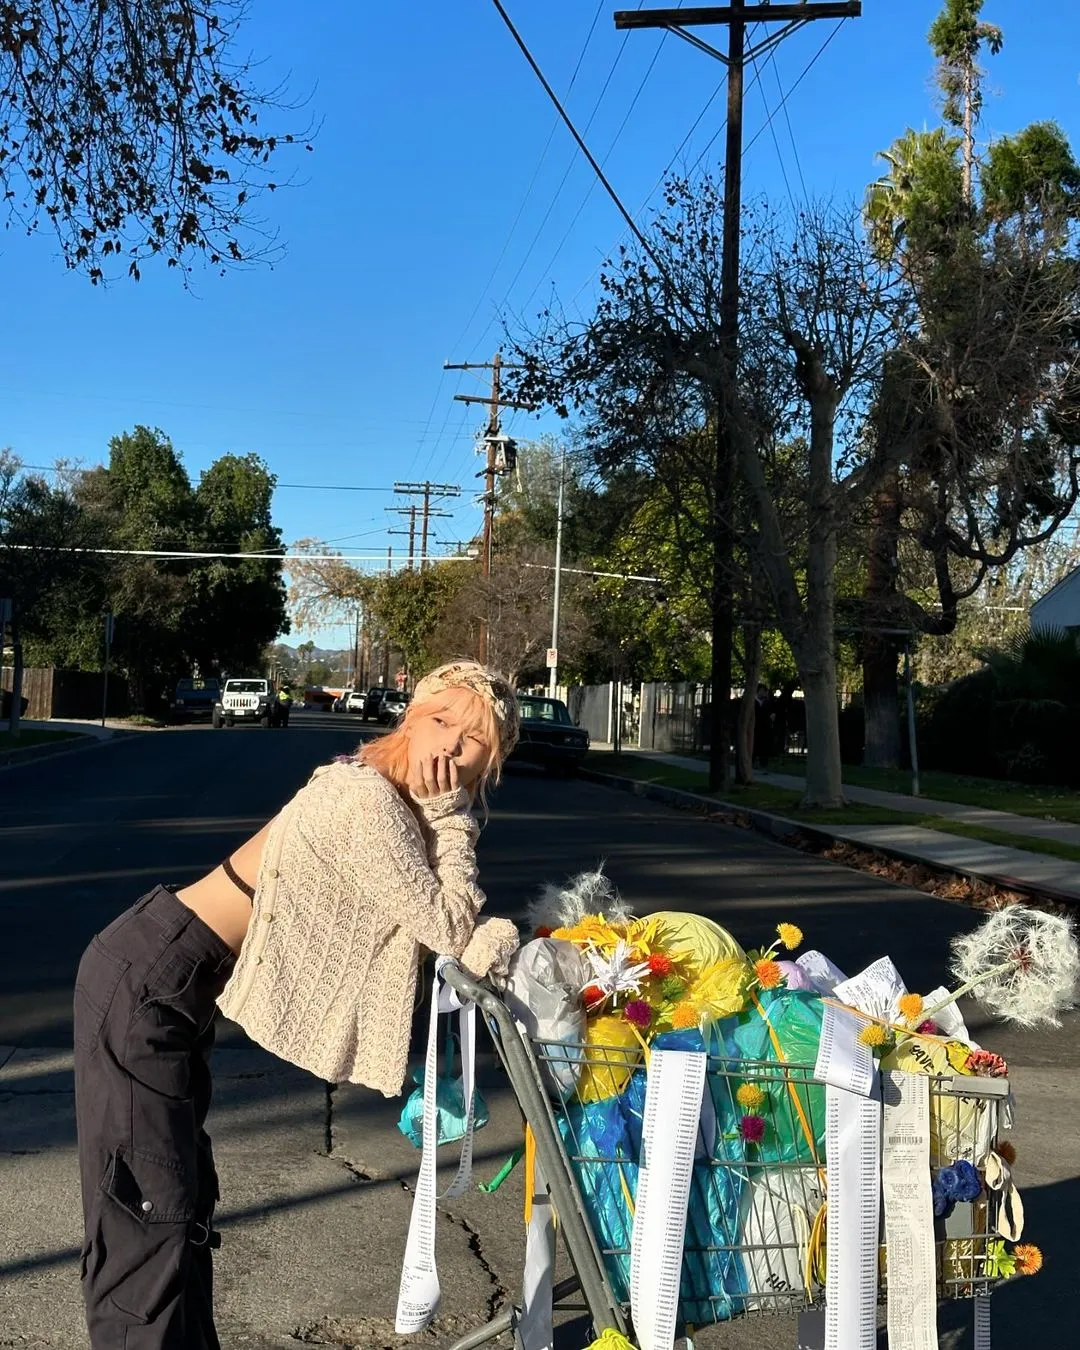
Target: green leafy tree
236, 608
957, 36
977, 423
52, 587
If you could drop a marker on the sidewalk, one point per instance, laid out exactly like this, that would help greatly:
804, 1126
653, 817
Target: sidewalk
1011, 868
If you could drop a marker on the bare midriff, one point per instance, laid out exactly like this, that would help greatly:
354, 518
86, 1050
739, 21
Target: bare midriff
219, 902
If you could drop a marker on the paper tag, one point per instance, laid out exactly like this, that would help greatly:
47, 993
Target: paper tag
853, 1163
876, 990
670, 1128
419, 1293
909, 1211
843, 1061
821, 970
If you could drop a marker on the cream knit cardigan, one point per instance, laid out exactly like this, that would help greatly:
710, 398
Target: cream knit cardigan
352, 885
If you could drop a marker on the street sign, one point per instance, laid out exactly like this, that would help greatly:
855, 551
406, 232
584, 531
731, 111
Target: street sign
399, 679
552, 657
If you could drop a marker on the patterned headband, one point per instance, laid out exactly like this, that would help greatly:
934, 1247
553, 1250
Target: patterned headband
492, 688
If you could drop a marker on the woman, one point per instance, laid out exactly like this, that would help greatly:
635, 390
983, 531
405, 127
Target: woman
310, 937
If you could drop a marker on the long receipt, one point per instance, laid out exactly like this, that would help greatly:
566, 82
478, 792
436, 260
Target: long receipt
909, 1211
670, 1127
843, 1061
853, 1165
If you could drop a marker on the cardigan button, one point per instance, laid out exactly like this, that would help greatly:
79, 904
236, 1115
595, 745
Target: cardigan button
272, 873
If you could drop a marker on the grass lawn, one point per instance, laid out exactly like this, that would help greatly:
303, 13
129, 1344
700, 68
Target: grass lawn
33, 736
1047, 803
785, 802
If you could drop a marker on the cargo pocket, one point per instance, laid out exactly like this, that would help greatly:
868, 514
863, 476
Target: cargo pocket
140, 1247
99, 975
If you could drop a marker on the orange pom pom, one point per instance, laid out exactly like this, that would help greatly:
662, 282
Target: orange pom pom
769, 974
661, 965
1028, 1258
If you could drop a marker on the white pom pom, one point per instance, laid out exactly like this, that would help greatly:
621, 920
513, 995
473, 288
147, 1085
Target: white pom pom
1035, 963
565, 906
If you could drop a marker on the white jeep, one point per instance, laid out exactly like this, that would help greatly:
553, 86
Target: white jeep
248, 700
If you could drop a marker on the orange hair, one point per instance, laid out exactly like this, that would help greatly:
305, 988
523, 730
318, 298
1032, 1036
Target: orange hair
389, 754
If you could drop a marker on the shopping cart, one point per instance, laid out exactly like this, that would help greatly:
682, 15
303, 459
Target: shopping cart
751, 1223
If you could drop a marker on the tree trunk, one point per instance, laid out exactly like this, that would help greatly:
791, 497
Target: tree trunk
817, 653
824, 778
744, 731
881, 705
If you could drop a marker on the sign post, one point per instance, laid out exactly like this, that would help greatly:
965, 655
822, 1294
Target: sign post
110, 626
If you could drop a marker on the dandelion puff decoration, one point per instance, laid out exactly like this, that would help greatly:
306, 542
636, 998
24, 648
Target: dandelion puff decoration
1022, 964
565, 906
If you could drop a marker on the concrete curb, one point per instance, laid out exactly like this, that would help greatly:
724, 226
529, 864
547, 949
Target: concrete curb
783, 830
13, 759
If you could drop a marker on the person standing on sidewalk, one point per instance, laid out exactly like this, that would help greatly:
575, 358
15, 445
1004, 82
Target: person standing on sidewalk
310, 937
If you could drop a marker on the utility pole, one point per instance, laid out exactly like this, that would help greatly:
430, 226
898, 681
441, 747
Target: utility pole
409, 511
735, 16
499, 448
427, 491
553, 675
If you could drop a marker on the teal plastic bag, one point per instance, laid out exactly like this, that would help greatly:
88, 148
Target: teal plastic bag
451, 1109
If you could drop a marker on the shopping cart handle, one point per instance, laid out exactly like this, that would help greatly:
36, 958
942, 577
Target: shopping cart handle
476, 991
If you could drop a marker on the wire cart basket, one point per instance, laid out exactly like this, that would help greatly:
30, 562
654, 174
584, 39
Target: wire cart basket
751, 1219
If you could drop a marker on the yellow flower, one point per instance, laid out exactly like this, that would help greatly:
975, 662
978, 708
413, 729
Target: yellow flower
643, 936
873, 1035
911, 1006
749, 1096
1028, 1258
721, 988
769, 974
686, 1014
790, 935
594, 929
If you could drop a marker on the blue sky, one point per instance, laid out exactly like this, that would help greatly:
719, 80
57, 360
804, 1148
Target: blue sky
439, 195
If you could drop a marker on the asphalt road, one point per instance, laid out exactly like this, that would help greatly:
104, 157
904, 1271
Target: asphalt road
83, 835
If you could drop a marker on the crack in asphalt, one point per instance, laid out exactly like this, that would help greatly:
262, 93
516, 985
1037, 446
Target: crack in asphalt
500, 1293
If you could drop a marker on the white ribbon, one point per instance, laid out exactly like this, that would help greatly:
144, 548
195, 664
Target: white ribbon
672, 1119
535, 1328
419, 1293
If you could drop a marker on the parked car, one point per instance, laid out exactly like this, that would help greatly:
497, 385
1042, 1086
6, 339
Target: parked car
355, 701
549, 737
393, 705
246, 700
373, 700
193, 699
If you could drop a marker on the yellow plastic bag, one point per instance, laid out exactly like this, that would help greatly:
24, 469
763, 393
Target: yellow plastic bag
960, 1127
697, 942
612, 1053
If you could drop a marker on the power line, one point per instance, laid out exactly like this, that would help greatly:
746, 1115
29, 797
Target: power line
195, 555
806, 71
592, 185
536, 173
576, 134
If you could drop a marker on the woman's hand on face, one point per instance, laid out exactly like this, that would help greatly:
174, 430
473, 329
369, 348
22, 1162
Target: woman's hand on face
433, 776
